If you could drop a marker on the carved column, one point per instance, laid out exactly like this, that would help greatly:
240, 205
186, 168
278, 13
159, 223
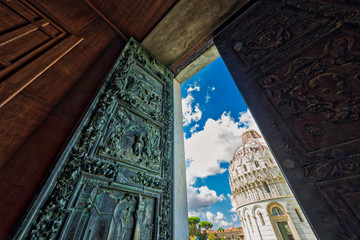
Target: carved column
180, 225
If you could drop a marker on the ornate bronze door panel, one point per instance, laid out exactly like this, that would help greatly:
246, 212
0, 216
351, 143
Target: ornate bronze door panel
113, 180
297, 64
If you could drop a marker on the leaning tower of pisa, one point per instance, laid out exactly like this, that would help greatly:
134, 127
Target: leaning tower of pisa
264, 202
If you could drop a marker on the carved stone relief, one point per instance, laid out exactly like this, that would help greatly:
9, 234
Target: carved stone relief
343, 167
114, 179
320, 84
271, 32
346, 11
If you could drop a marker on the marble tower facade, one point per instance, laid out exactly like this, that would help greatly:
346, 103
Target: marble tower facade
264, 202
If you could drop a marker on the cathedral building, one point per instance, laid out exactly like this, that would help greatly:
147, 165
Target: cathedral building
265, 204
91, 141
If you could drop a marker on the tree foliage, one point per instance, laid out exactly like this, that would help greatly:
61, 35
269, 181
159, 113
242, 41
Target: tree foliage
205, 225
211, 237
195, 229
221, 229
194, 220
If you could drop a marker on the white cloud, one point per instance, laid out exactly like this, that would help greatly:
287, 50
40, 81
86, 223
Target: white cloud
234, 217
247, 120
194, 214
204, 151
233, 205
216, 143
191, 89
202, 197
207, 98
190, 113
218, 219
192, 130
209, 90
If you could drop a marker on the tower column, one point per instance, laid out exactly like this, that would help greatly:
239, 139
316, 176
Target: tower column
257, 227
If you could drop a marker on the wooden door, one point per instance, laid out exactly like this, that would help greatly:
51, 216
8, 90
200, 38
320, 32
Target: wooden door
297, 65
27, 35
113, 179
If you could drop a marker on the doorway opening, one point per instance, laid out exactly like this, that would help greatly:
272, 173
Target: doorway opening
215, 121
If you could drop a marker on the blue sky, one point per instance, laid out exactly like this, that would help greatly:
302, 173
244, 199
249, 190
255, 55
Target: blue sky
214, 117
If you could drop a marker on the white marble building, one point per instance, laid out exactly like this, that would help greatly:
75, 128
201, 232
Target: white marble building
265, 204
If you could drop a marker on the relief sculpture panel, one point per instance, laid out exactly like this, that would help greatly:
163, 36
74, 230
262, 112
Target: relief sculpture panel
107, 213
114, 178
141, 85
322, 84
271, 32
130, 139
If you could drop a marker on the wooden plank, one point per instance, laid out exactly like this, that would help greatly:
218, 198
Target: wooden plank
123, 16
122, 35
11, 36
22, 10
29, 56
10, 19
71, 16
14, 84
5, 63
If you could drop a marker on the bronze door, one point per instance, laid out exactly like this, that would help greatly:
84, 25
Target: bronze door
113, 179
297, 65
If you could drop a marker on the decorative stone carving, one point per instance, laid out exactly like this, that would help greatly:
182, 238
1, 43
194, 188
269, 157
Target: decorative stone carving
276, 29
347, 11
342, 167
269, 37
130, 123
306, 86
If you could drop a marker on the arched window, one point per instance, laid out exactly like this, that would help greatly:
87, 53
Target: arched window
245, 169
269, 158
256, 163
261, 219
253, 134
266, 187
276, 211
298, 214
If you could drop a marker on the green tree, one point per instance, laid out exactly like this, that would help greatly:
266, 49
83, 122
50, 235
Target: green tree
193, 221
221, 229
205, 225
202, 235
222, 238
211, 237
